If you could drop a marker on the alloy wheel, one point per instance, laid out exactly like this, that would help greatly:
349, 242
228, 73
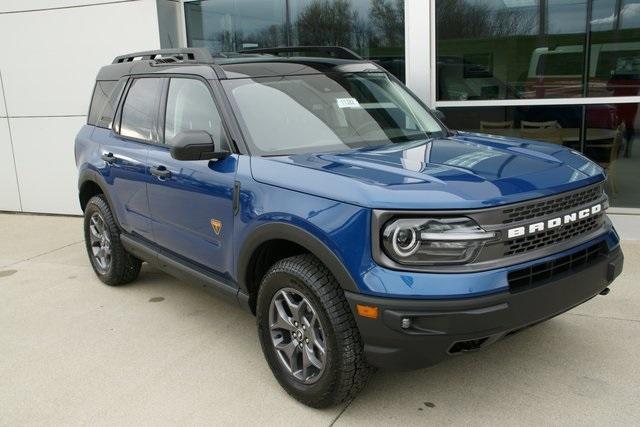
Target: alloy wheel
297, 335
100, 243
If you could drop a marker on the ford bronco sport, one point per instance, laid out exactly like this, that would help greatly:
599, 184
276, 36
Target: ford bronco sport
322, 196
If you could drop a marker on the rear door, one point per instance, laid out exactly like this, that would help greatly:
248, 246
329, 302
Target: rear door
191, 201
124, 150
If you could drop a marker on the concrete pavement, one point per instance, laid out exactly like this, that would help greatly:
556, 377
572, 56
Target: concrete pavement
74, 351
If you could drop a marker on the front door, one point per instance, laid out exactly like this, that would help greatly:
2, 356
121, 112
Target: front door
191, 201
124, 150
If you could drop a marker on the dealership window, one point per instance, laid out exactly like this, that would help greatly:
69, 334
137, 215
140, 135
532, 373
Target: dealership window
615, 48
509, 50
603, 132
564, 54
372, 28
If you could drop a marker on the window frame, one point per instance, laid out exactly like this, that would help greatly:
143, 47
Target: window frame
125, 94
93, 96
162, 111
119, 100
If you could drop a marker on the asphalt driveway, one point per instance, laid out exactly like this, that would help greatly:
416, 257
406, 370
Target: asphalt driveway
74, 351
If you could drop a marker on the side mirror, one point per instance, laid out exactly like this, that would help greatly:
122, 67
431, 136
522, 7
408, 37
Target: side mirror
196, 145
439, 115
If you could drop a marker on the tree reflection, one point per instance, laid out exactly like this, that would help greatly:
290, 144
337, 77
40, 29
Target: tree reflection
465, 19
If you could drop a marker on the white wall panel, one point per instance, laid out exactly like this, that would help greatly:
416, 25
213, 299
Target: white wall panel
9, 200
50, 57
22, 5
46, 163
3, 111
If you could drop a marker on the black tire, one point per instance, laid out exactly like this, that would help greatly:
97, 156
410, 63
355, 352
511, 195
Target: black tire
123, 267
345, 370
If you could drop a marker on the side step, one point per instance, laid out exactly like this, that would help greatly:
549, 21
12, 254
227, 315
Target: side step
181, 269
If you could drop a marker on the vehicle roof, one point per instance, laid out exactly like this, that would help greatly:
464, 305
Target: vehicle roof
229, 66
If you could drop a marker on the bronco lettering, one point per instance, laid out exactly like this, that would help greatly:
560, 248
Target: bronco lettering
553, 222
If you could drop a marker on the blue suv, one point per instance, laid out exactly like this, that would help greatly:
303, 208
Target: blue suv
313, 189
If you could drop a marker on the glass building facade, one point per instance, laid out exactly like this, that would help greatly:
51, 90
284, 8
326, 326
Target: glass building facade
562, 71
372, 28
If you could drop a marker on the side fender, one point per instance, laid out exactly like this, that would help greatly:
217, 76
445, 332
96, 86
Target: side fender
90, 175
295, 234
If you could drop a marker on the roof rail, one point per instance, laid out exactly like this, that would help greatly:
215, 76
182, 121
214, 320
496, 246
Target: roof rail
336, 51
194, 54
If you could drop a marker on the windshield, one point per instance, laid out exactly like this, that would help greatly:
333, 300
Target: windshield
327, 112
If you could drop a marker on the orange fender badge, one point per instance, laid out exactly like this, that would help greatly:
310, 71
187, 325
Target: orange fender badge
217, 226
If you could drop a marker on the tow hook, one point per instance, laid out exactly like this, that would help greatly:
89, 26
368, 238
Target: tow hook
605, 291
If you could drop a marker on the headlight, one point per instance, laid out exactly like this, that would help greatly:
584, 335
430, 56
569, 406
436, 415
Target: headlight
433, 241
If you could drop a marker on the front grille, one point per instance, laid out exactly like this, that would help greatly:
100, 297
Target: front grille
552, 236
550, 206
538, 274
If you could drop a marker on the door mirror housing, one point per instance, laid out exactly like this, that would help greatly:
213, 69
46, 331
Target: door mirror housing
196, 145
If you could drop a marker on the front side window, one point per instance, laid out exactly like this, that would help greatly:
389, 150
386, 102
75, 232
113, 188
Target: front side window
191, 107
140, 109
323, 112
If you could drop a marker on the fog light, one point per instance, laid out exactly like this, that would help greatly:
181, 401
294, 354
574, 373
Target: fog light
406, 323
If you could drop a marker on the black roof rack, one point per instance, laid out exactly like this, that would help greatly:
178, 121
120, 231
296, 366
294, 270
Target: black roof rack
335, 51
168, 55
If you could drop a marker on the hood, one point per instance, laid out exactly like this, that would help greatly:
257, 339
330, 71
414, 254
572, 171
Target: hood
464, 171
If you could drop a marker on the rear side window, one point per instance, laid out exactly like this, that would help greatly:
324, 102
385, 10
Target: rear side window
101, 93
140, 109
191, 107
105, 118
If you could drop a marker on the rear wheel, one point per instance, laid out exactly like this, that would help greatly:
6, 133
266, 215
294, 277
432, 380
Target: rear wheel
308, 334
110, 261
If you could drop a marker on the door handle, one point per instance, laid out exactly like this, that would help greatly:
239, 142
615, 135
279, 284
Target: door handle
160, 171
109, 158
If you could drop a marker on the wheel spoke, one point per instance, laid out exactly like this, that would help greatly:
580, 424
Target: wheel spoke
288, 350
97, 223
310, 359
320, 346
282, 321
294, 308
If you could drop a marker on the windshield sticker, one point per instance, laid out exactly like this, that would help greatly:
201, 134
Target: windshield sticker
348, 103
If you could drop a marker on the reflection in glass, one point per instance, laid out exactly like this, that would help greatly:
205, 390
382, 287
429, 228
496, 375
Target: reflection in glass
232, 25
610, 144
630, 14
609, 135
566, 17
322, 112
372, 28
615, 49
557, 124
508, 50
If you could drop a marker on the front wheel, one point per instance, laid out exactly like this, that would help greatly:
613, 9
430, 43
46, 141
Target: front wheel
308, 334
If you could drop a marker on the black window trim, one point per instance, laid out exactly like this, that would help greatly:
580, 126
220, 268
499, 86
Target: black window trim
232, 138
93, 94
119, 101
123, 99
163, 109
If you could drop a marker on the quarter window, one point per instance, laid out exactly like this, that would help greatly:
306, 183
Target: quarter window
140, 110
190, 107
101, 92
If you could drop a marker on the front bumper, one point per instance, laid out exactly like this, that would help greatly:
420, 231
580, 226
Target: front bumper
440, 328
